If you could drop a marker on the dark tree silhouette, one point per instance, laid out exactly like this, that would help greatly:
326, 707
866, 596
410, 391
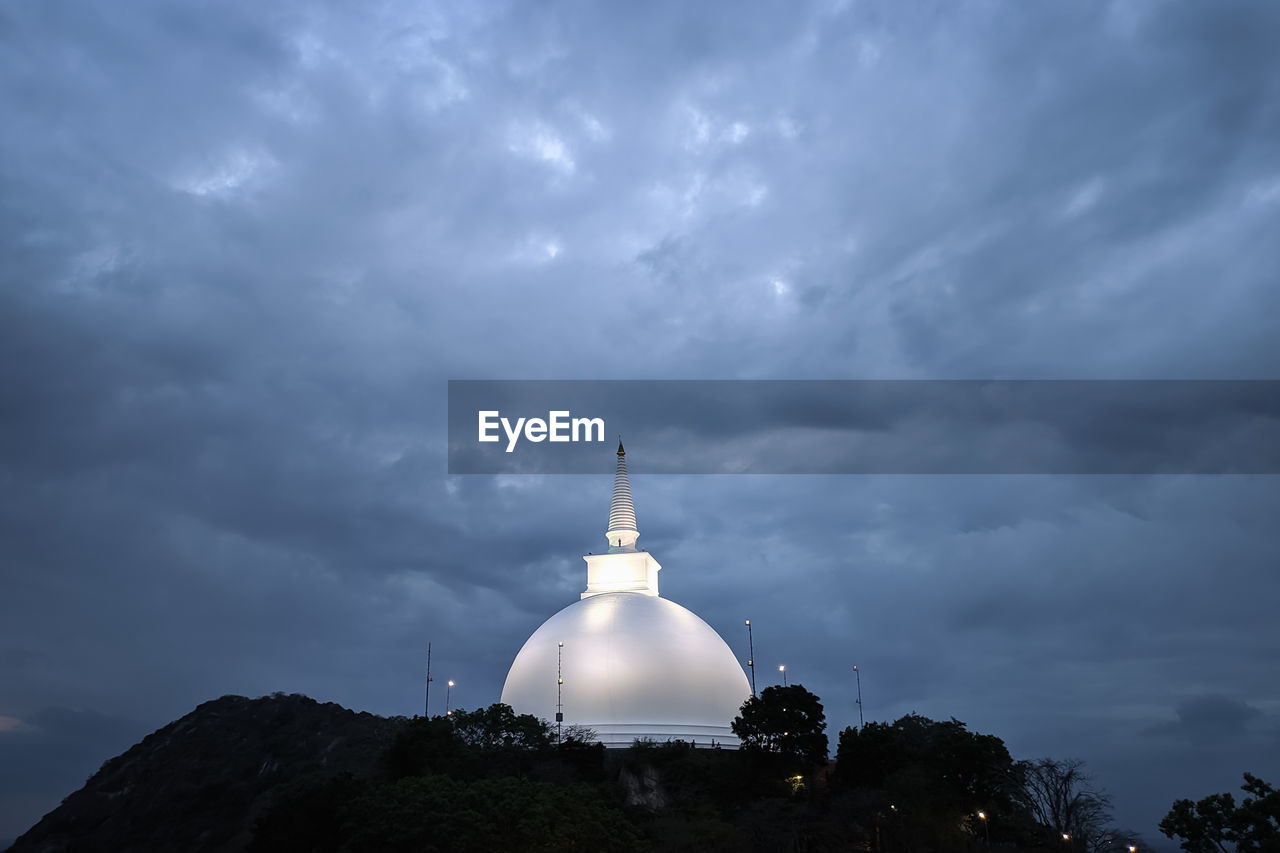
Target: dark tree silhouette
924, 783
424, 745
1215, 822
1062, 799
500, 726
788, 721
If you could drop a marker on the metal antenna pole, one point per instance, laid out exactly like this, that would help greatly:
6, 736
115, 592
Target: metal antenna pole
751, 659
859, 677
559, 684
426, 705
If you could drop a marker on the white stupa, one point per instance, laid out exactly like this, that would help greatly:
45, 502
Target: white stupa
633, 664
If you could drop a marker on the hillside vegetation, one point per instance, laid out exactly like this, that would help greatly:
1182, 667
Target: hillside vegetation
286, 773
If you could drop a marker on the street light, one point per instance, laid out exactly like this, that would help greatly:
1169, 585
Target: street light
782, 668
426, 702
982, 816
751, 659
559, 684
447, 690
858, 675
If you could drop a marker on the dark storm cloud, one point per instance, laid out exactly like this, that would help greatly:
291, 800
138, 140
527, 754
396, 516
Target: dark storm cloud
244, 249
1211, 718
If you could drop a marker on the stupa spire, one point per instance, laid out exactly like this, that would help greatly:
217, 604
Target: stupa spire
622, 532
622, 568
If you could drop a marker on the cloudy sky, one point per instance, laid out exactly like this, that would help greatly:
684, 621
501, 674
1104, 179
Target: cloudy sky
244, 246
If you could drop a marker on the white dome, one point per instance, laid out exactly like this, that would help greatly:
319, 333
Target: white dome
634, 666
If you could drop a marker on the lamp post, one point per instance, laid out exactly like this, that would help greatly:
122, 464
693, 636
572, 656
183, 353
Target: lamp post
782, 668
447, 690
426, 705
982, 816
858, 676
559, 683
751, 658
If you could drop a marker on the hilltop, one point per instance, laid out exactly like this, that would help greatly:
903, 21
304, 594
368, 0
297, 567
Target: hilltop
199, 783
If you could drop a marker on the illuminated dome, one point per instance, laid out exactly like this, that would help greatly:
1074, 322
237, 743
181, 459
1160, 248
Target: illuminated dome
632, 664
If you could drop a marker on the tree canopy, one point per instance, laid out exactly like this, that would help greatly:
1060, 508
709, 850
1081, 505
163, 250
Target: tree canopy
1061, 797
499, 726
1214, 822
926, 781
784, 720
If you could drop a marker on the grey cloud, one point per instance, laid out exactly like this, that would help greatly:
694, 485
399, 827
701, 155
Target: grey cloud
243, 249
1209, 717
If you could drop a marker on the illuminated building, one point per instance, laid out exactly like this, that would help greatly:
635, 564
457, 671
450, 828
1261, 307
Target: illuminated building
633, 664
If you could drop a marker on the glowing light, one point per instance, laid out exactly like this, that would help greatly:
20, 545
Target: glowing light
695, 699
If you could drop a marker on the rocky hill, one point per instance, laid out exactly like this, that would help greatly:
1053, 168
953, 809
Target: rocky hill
198, 784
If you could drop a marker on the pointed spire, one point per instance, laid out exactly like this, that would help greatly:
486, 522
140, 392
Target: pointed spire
623, 568
622, 532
